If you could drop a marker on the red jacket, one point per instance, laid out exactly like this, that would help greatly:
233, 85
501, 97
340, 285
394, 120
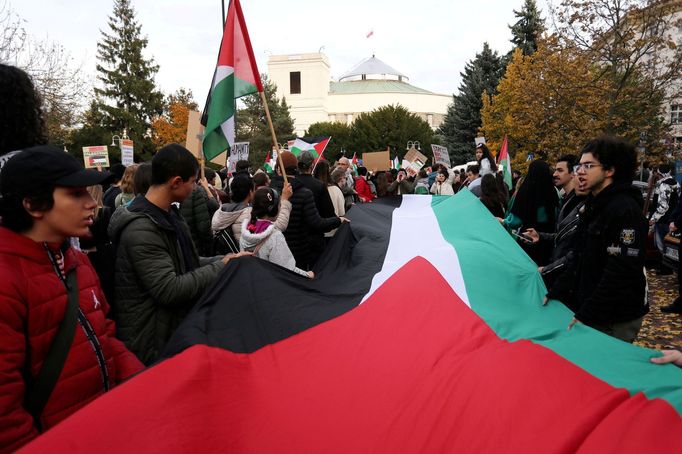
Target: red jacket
363, 190
32, 304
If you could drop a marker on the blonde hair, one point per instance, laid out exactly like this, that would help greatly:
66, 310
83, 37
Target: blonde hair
127, 185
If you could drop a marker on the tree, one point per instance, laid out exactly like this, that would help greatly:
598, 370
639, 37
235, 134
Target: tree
630, 45
127, 97
252, 124
171, 125
59, 82
92, 132
553, 101
389, 126
463, 119
340, 134
528, 28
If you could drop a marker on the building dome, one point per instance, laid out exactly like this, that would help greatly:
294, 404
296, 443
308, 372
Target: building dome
373, 68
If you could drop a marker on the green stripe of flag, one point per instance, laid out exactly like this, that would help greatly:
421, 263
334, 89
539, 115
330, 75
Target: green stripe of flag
512, 306
220, 110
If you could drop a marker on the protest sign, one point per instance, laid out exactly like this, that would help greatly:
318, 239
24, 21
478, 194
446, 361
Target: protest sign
97, 156
413, 161
195, 135
479, 140
440, 155
376, 161
127, 155
239, 152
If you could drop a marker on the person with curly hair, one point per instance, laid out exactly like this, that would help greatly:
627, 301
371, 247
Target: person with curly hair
21, 117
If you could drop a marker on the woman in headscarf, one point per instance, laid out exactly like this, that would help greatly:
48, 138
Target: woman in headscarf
535, 206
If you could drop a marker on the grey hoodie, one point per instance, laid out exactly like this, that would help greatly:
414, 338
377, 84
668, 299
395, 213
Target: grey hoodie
274, 248
234, 214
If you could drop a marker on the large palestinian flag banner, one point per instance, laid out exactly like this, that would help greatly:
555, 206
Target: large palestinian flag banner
423, 331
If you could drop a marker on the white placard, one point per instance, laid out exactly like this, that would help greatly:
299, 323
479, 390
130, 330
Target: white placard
440, 155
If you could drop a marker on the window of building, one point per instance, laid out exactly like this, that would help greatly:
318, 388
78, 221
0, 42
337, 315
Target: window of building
349, 118
676, 114
429, 119
295, 82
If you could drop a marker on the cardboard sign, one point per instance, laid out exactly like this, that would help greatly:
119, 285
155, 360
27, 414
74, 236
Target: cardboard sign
195, 136
97, 156
376, 161
440, 155
413, 161
127, 156
239, 152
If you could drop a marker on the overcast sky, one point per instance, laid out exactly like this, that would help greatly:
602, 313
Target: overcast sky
430, 40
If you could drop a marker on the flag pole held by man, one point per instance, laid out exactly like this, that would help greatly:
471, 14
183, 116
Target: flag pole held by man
236, 75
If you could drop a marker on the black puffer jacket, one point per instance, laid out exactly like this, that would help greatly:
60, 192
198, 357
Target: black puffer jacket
609, 284
323, 202
305, 234
197, 210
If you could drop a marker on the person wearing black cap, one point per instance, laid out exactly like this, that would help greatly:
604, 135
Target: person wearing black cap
159, 275
305, 233
114, 190
57, 348
322, 200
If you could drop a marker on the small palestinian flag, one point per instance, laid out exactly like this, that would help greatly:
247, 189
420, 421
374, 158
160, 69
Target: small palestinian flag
268, 165
504, 161
315, 145
415, 349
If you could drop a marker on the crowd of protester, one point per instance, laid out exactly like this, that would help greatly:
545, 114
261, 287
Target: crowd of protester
99, 268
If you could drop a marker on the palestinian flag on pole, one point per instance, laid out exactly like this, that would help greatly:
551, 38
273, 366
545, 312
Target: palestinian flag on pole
269, 164
236, 75
416, 349
315, 145
354, 161
396, 163
505, 162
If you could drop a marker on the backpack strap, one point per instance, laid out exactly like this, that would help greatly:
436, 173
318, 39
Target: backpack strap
40, 390
260, 245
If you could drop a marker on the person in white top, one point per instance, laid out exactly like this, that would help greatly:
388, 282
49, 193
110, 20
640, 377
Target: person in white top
338, 180
485, 159
442, 186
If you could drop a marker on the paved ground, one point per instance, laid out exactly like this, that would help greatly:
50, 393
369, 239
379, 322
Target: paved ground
661, 330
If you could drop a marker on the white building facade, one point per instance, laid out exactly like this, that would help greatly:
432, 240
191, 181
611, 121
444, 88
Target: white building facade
305, 81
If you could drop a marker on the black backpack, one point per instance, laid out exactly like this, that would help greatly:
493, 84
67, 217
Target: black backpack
224, 242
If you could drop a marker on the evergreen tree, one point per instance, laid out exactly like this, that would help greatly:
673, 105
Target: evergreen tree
463, 119
252, 124
128, 98
528, 28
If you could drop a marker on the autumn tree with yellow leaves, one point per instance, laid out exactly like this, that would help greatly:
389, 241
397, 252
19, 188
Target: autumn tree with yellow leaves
171, 125
598, 73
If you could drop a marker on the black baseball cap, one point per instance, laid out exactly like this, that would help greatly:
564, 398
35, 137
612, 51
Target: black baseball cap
47, 164
305, 160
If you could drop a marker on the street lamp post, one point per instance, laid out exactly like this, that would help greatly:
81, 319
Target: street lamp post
413, 144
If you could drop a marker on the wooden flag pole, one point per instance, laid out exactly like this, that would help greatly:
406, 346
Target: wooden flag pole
274, 136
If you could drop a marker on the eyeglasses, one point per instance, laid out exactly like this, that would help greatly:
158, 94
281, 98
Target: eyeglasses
585, 165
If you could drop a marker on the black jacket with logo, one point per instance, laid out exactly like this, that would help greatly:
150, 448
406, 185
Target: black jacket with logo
608, 283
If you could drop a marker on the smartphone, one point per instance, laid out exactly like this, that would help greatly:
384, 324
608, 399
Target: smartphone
522, 237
